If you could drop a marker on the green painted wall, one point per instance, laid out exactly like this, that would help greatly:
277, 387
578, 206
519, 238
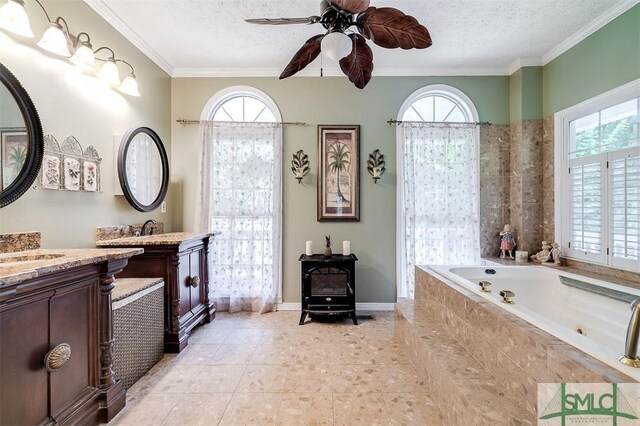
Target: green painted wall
525, 96
603, 61
329, 100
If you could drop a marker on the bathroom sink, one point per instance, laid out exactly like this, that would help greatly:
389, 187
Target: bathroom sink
29, 258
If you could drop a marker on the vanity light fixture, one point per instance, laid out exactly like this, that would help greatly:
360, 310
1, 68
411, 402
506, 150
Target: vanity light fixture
109, 72
55, 39
59, 40
83, 57
14, 18
129, 85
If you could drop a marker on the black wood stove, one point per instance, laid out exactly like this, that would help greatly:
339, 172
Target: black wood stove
328, 285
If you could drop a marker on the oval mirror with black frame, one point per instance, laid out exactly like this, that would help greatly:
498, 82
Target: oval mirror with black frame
143, 169
21, 139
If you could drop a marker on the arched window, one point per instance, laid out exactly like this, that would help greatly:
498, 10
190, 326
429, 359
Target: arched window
241, 196
438, 185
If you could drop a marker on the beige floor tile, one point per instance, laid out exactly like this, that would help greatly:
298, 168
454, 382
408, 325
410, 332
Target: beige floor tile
305, 409
354, 378
279, 353
252, 409
399, 378
412, 409
198, 410
209, 335
233, 354
174, 379
148, 410
196, 354
355, 409
263, 378
217, 378
244, 336
308, 378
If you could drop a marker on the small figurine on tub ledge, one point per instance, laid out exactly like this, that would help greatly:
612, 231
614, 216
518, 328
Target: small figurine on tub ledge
544, 255
507, 242
555, 253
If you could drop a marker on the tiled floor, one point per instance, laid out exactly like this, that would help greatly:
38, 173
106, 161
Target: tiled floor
255, 369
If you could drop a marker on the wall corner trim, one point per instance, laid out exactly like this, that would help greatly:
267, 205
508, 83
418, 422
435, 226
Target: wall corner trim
102, 9
524, 62
589, 29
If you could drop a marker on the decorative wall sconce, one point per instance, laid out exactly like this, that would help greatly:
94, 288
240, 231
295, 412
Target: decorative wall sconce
59, 40
375, 165
300, 165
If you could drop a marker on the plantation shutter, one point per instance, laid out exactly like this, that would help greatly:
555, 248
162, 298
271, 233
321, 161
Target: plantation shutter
624, 190
586, 207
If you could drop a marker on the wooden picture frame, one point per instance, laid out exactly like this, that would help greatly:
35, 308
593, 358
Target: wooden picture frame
338, 173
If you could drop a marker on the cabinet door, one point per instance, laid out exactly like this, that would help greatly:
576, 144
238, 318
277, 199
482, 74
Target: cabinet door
24, 332
71, 311
184, 286
195, 271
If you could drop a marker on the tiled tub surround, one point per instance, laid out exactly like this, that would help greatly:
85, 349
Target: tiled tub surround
124, 231
19, 241
480, 361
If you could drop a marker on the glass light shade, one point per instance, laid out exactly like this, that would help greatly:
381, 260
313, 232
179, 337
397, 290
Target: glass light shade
84, 58
14, 18
109, 73
129, 86
54, 40
336, 45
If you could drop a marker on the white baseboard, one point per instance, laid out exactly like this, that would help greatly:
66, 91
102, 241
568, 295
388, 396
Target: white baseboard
295, 306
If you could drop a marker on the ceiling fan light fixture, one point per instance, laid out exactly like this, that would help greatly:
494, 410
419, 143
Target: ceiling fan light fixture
336, 45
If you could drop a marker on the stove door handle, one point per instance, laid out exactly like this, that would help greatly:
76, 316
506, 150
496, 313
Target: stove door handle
349, 287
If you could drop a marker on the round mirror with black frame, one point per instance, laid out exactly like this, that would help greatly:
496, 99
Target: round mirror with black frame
21, 139
143, 169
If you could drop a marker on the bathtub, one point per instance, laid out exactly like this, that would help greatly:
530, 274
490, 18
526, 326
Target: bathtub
563, 304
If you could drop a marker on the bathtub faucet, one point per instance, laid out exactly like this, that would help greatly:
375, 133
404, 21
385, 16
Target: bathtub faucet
630, 356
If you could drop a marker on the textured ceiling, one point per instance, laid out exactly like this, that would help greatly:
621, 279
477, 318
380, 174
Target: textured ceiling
468, 35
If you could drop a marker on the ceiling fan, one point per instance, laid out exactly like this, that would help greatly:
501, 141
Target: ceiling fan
386, 26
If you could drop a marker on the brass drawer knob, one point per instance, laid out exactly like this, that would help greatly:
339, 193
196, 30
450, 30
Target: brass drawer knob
195, 282
57, 357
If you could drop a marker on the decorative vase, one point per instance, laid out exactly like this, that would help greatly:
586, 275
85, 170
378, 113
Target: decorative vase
327, 247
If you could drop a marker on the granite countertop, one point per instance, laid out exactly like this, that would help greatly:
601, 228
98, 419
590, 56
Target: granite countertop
24, 265
171, 238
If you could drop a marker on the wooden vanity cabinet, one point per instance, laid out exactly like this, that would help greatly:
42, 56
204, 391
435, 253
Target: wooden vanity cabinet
36, 316
183, 266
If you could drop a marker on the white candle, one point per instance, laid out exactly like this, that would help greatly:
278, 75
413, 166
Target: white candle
346, 248
309, 248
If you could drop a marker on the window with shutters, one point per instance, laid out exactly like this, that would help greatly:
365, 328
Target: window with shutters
600, 182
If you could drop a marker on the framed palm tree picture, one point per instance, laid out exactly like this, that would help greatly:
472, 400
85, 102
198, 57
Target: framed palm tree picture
14, 146
338, 173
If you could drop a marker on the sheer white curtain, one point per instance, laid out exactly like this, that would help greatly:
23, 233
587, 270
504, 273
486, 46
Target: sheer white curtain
240, 196
440, 197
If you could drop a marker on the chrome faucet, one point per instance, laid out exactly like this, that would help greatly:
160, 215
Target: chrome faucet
630, 356
144, 227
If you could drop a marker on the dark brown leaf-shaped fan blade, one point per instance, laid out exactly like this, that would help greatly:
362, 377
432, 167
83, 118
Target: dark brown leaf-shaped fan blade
284, 21
303, 57
353, 6
358, 66
391, 28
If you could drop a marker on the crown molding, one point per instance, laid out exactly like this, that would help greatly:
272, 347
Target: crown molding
524, 62
336, 72
102, 9
589, 29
